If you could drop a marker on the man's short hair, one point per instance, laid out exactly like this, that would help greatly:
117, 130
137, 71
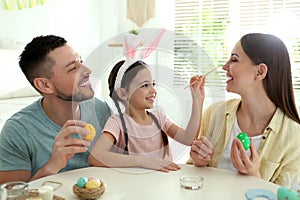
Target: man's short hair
34, 61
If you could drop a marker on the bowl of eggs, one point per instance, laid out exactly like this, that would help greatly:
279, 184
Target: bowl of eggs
89, 188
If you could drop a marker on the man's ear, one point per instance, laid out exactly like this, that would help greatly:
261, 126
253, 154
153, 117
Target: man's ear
122, 94
43, 85
262, 71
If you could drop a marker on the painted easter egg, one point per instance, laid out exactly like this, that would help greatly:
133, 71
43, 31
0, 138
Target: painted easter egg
284, 193
92, 184
95, 178
92, 132
245, 139
81, 182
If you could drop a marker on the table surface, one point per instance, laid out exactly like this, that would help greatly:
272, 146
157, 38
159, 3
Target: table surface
136, 183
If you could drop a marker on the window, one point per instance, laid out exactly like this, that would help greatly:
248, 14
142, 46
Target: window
206, 31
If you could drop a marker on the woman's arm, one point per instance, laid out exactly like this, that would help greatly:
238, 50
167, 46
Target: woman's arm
102, 156
186, 136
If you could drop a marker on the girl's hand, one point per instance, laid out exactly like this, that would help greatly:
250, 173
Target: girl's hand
243, 163
201, 151
159, 164
197, 86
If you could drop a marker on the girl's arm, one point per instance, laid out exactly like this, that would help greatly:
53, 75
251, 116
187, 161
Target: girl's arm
186, 136
103, 157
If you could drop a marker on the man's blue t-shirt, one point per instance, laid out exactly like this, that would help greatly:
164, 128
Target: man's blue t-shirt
27, 138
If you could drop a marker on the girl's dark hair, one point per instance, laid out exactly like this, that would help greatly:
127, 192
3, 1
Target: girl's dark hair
270, 50
34, 62
129, 74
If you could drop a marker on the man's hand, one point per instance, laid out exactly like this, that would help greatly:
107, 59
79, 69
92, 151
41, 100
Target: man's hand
65, 147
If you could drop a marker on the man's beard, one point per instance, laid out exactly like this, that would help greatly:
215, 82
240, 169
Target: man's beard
74, 97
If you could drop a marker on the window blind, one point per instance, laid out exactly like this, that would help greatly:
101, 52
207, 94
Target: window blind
207, 30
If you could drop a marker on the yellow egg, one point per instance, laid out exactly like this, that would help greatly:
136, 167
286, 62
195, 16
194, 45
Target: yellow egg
92, 132
92, 184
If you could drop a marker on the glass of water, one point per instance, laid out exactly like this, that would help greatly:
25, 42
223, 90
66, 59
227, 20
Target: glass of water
191, 182
16, 190
2, 194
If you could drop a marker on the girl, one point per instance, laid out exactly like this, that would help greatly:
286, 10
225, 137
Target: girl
138, 137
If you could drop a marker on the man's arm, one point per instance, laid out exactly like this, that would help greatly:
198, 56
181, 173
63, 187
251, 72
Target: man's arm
65, 147
14, 175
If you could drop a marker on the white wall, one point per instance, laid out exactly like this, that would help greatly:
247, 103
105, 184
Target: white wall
76, 20
84, 23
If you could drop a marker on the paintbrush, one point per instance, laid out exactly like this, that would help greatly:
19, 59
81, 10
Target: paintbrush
206, 74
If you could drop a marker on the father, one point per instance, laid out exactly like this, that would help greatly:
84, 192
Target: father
46, 137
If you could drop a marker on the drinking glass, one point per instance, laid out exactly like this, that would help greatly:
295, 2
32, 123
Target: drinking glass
191, 182
2, 194
15, 190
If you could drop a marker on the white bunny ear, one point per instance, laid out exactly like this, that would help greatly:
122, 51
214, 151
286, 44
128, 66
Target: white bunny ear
153, 45
287, 180
131, 43
296, 184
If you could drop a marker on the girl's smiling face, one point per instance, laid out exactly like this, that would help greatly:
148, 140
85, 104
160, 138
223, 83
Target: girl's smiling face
141, 91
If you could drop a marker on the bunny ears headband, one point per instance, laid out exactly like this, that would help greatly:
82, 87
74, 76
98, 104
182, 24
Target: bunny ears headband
131, 44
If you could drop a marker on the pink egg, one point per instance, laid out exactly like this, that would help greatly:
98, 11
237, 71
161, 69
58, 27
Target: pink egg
94, 178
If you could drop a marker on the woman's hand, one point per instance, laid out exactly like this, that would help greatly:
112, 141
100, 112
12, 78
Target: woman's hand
201, 151
243, 163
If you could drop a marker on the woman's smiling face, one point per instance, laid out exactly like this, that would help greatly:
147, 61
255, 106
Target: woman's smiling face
240, 71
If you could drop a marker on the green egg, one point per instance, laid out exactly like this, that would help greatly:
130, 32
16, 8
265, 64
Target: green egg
244, 138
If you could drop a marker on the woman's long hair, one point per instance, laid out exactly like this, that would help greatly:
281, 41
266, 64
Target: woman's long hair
270, 50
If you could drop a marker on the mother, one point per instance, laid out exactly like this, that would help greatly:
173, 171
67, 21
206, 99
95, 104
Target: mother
259, 70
